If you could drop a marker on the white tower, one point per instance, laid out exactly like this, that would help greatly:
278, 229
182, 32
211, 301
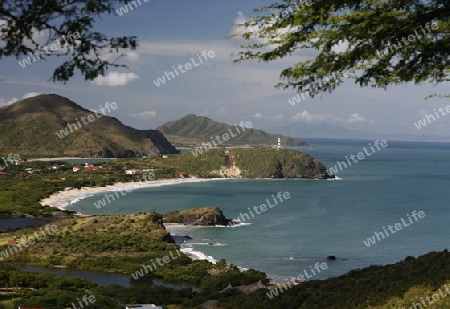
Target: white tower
279, 143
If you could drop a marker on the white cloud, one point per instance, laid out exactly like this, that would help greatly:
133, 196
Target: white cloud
30, 95
421, 113
319, 117
114, 79
145, 115
132, 56
308, 117
274, 117
340, 47
257, 115
4, 102
123, 55
356, 117
223, 111
241, 18
277, 117
188, 48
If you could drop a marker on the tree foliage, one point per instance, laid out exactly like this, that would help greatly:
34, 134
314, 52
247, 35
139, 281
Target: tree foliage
376, 43
28, 26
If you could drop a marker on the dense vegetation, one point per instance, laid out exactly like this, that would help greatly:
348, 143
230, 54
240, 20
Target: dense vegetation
374, 43
113, 244
26, 184
105, 243
206, 215
72, 17
264, 163
375, 287
55, 292
42, 118
256, 162
192, 130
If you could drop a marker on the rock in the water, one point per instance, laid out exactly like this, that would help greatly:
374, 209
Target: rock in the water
209, 215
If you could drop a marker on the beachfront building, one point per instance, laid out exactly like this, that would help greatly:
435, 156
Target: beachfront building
143, 306
134, 171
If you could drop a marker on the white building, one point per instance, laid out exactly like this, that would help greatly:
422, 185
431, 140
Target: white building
142, 306
133, 171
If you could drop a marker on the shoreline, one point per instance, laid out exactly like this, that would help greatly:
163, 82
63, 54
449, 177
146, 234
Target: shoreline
179, 230
63, 199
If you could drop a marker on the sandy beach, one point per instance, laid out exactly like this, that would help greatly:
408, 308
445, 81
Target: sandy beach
62, 199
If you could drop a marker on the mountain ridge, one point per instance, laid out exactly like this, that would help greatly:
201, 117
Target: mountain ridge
192, 130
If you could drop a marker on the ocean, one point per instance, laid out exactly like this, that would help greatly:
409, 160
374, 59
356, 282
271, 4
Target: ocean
322, 217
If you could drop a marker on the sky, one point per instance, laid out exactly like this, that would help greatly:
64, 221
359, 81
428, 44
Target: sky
171, 33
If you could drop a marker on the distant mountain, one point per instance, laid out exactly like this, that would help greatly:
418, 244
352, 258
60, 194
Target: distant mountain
51, 125
324, 130
193, 130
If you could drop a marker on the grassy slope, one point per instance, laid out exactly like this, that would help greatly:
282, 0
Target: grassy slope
79, 241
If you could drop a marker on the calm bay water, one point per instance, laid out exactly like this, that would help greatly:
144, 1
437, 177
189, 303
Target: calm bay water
17, 222
101, 278
321, 218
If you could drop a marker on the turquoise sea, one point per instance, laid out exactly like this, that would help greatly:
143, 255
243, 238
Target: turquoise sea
322, 217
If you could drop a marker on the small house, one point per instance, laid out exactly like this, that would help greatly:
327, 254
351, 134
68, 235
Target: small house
143, 306
133, 171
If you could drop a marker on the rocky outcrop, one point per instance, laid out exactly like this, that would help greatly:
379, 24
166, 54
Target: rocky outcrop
229, 171
208, 216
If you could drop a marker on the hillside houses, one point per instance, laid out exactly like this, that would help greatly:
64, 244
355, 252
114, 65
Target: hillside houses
134, 171
90, 168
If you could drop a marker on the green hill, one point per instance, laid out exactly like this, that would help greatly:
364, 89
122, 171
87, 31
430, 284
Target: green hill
193, 130
32, 127
256, 162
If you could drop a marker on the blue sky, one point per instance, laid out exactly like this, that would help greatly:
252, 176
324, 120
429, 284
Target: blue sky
171, 33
